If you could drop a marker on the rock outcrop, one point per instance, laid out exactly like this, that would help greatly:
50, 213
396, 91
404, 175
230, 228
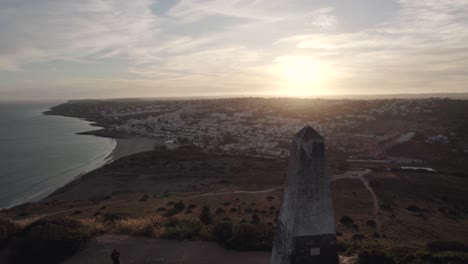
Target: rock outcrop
306, 225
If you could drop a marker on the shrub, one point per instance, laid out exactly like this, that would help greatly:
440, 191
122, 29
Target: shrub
358, 237
161, 209
374, 256
346, 220
112, 218
251, 237
341, 246
205, 215
220, 211
434, 258
255, 219
222, 231
183, 229
371, 223
177, 208
49, 241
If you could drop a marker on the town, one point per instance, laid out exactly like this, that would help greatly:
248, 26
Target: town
367, 130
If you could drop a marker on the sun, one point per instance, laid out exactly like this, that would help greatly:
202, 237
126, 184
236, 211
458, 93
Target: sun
299, 75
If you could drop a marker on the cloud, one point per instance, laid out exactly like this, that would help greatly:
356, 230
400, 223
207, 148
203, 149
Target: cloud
423, 47
214, 46
73, 30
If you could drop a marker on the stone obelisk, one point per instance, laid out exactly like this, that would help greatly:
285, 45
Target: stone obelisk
306, 225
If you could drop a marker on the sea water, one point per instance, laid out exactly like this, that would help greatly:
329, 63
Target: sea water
40, 153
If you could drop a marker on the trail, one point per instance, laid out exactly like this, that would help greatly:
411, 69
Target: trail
235, 192
361, 176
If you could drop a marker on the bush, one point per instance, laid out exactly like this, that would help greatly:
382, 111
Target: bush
374, 256
443, 246
220, 211
255, 219
49, 241
205, 215
177, 208
371, 223
251, 237
434, 258
161, 209
222, 232
346, 220
358, 237
112, 218
183, 229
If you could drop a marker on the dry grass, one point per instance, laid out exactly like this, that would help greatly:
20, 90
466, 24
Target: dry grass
153, 226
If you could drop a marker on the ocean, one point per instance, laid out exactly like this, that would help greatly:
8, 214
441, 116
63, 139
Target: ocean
41, 153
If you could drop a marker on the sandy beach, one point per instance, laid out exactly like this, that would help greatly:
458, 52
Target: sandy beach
128, 146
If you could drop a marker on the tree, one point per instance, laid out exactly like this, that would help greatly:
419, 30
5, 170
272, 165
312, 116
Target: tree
205, 215
223, 231
255, 219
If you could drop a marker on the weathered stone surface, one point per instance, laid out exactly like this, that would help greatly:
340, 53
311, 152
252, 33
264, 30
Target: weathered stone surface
306, 226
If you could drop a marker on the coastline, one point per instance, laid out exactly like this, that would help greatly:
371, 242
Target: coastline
128, 146
121, 147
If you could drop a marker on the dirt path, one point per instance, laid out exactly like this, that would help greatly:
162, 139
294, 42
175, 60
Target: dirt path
361, 175
145, 250
236, 192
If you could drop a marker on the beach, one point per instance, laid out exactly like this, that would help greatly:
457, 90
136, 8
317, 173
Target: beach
128, 146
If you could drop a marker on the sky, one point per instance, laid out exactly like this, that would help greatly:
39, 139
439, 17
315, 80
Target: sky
68, 49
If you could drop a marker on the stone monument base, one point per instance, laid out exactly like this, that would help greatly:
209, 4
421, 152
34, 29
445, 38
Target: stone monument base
320, 249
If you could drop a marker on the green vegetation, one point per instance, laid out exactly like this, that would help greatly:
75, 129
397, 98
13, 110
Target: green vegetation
205, 216
371, 223
222, 231
374, 256
409, 255
49, 241
250, 237
346, 220
177, 208
183, 229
